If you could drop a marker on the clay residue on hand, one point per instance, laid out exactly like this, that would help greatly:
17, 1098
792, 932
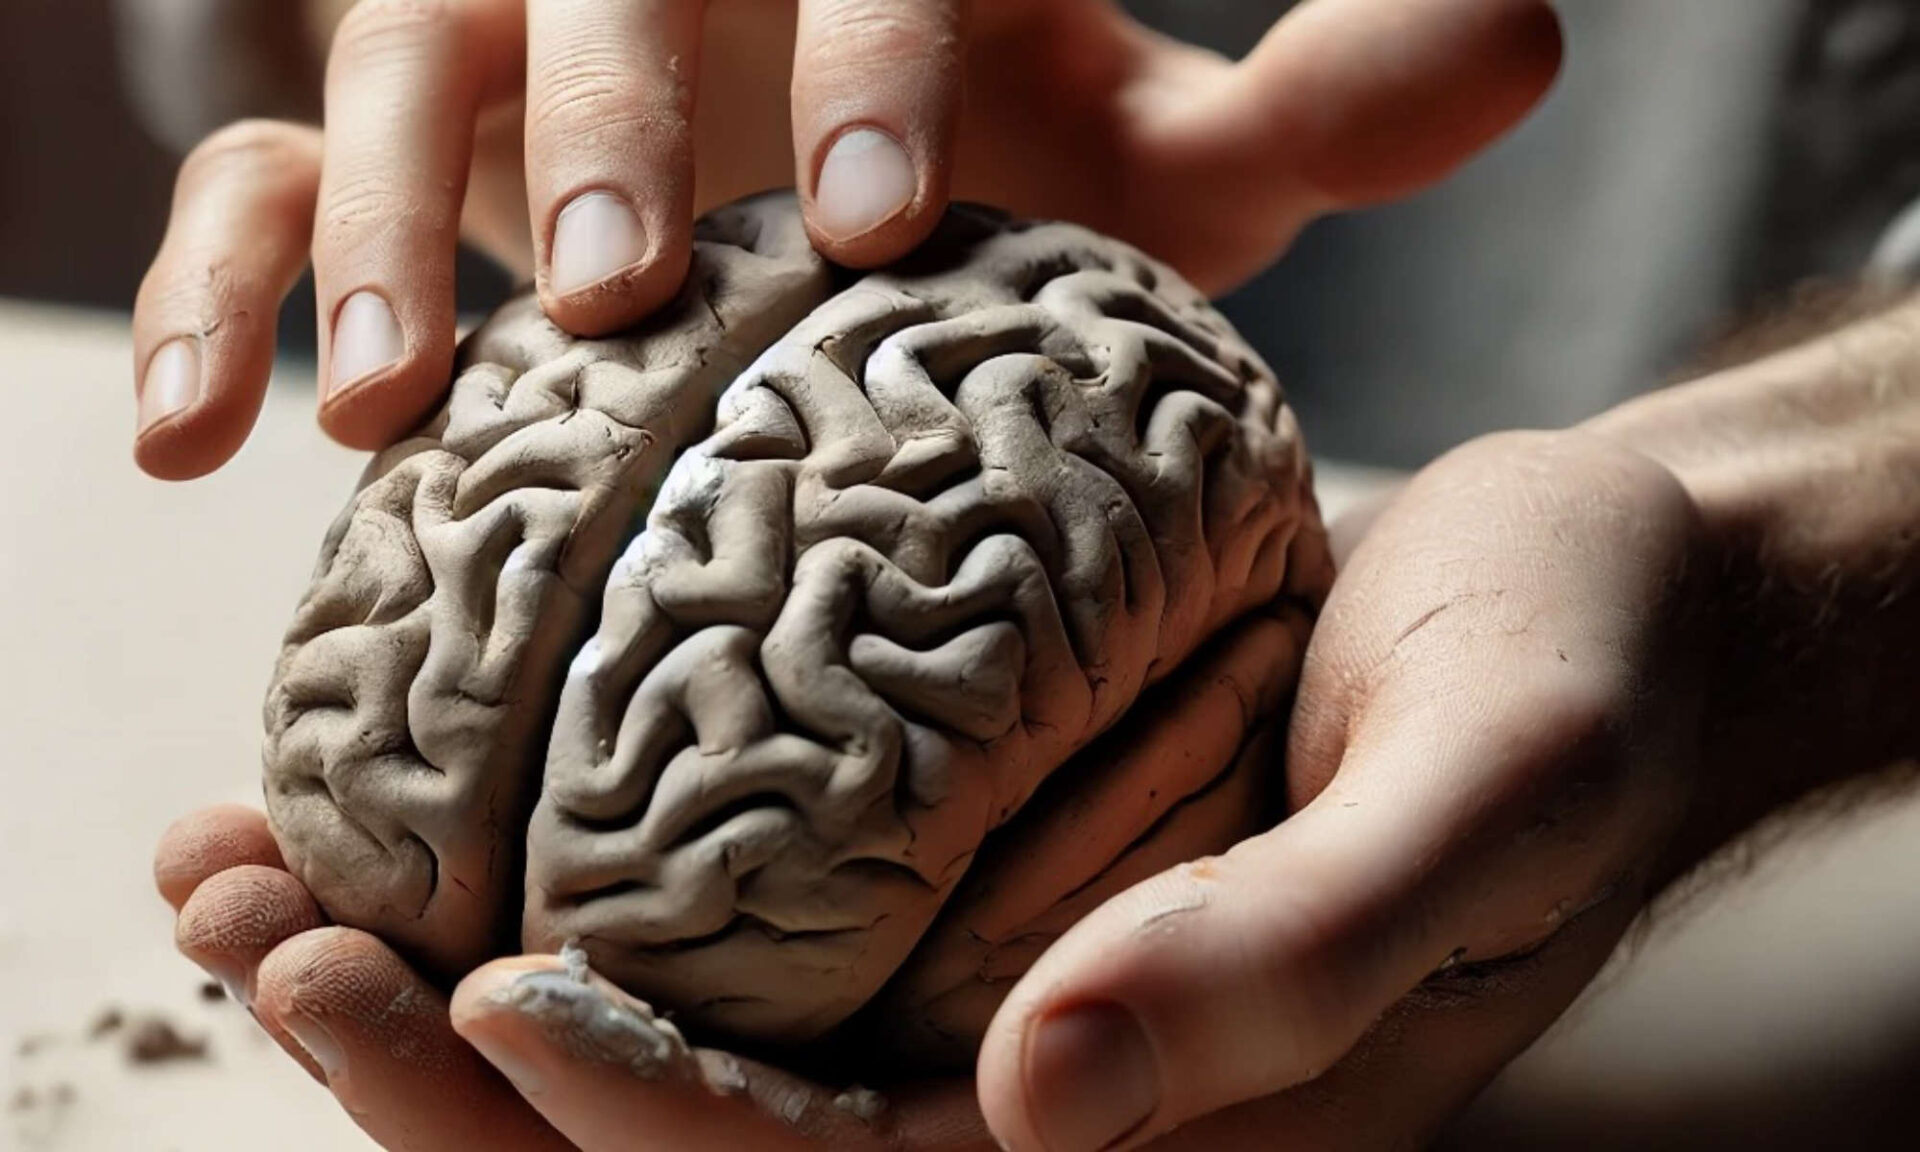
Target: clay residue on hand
864, 1103
591, 1024
575, 958
722, 1072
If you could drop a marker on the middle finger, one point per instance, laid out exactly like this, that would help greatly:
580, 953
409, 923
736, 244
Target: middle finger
610, 92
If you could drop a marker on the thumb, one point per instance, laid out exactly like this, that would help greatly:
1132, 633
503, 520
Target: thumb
1366, 100
1215, 982
1344, 103
1235, 977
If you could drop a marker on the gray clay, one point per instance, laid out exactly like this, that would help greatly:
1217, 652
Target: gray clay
833, 640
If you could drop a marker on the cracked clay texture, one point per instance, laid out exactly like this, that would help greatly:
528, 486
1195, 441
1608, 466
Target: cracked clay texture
816, 653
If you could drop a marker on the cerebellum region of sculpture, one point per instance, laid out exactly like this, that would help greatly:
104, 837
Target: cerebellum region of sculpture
818, 652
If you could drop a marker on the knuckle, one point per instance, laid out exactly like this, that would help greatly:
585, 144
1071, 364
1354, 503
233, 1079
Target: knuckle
246, 148
361, 207
1577, 754
1301, 994
377, 30
593, 94
860, 34
356, 207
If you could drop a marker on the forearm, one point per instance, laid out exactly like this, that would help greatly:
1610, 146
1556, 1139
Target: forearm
1806, 469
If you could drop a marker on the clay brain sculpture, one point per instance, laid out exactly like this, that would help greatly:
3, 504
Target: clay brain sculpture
834, 641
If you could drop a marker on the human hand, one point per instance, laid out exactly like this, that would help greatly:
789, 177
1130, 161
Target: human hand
1496, 744
564, 137
525, 1056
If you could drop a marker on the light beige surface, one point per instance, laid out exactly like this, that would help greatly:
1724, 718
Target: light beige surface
139, 622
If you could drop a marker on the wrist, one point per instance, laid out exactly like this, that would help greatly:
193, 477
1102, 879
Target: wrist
1805, 468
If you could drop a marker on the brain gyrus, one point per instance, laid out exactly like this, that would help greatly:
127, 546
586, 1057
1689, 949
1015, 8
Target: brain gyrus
831, 642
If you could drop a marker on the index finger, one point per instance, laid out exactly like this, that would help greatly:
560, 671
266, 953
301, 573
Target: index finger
207, 311
1366, 100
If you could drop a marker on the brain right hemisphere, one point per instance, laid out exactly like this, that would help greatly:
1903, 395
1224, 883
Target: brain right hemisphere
944, 526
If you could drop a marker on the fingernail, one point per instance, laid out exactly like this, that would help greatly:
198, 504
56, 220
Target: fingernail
318, 1042
596, 236
366, 338
172, 383
515, 1067
865, 180
1091, 1077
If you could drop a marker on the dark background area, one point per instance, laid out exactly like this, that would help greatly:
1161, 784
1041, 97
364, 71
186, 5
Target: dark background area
83, 188
85, 184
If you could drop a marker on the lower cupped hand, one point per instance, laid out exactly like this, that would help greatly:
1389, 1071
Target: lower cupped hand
1495, 743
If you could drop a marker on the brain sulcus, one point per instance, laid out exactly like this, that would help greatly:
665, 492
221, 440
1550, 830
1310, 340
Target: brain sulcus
816, 653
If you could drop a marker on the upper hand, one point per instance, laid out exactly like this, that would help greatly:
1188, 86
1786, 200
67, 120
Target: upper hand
1495, 751
576, 140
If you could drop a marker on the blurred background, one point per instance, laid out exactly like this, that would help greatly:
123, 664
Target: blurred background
1696, 161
